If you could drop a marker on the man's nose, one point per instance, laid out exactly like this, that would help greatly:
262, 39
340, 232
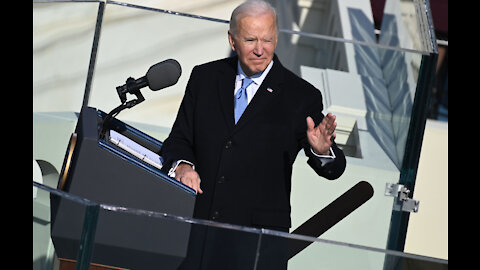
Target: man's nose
258, 50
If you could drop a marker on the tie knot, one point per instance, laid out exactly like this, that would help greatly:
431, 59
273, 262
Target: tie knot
246, 82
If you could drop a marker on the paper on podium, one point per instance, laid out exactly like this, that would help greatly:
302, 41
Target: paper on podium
136, 149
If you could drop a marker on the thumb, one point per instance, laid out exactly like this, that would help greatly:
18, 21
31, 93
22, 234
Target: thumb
310, 123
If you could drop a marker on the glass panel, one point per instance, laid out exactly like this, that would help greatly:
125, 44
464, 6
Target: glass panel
326, 254
43, 250
408, 24
134, 39
143, 239
381, 82
62, 42
372, 129
63, 228
219, 11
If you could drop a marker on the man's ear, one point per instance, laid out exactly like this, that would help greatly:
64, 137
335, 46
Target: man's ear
231, 40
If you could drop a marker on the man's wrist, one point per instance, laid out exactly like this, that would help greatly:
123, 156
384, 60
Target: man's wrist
175, 165
330, 153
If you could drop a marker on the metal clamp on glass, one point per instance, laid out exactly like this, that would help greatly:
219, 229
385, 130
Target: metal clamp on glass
402, 201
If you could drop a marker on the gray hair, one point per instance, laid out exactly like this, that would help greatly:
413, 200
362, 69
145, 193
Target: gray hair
251, 8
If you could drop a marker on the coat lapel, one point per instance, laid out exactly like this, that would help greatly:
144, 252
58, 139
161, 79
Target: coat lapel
226, 85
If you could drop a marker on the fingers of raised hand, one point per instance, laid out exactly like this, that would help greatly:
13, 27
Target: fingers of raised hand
329, 124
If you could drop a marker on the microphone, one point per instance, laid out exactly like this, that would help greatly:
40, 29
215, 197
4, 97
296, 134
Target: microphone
159, 76
331, 215
163, 74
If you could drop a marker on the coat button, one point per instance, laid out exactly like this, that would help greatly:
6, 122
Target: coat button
215, 215
228, 144
221, 180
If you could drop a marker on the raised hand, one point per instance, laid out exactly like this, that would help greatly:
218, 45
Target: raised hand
320, 137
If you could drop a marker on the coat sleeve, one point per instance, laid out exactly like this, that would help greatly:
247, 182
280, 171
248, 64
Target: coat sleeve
331, 170
179, 143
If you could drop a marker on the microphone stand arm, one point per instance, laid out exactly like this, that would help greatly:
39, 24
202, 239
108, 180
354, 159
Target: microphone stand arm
125, 104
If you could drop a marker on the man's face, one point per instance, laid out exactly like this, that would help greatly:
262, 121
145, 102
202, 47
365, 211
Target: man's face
254, 42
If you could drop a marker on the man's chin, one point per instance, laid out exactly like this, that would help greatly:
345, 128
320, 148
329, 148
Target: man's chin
257, 69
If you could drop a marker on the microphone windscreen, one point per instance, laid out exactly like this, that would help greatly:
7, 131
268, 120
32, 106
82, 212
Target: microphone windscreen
163, 74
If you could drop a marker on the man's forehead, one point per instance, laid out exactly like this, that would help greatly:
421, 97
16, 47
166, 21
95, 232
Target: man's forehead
264, 21
256, 14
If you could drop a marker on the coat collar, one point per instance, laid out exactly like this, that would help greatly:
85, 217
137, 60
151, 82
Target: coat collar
266, 93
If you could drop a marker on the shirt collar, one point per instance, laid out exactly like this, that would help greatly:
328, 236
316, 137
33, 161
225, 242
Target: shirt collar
257, 78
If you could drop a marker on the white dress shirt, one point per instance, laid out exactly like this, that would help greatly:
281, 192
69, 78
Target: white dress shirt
257, 81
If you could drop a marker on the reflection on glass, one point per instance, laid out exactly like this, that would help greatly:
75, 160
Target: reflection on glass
62, 42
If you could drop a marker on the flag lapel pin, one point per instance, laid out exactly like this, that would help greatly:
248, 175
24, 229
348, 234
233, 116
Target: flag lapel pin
269, 89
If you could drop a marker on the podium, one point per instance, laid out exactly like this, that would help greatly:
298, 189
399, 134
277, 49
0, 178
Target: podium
97, 169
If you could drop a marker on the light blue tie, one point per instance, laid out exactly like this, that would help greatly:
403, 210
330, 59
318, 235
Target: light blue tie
241, 100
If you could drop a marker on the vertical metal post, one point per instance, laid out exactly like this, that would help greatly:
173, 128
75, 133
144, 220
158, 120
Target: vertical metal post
257, 253
93, 54
87, 239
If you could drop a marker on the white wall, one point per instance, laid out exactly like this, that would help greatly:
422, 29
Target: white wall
428, 229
